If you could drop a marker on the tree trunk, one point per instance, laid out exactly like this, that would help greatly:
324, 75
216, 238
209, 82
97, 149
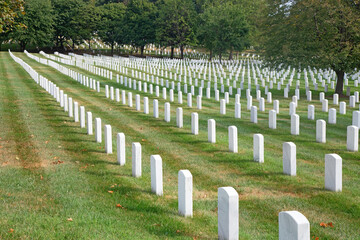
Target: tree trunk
220, 57
142, 50
172, 52
89, 44
211, 55
340, 82
112, 48
73, 45
231, 54
182, 51
22, 46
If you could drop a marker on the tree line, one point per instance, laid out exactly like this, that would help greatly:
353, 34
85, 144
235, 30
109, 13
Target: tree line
299, 33
218, 26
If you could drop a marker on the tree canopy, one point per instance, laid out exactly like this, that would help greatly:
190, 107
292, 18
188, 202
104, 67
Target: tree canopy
324, 34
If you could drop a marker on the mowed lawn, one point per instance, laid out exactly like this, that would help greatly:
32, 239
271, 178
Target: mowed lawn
55, 179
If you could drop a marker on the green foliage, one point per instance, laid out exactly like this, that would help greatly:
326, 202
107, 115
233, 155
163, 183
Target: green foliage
139, 23
39, 22
111, 24
322, 34
10, 10
224, 28
175, 24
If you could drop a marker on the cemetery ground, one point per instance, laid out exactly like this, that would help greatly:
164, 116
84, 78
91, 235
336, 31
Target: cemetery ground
57, 182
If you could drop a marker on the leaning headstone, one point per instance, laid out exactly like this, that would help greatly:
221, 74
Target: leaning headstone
289, 158
272, 119
194, 123
108, 139
352, 141
136, 159
211, 131
98, 130
89, 123
185, 189
228, 213
295, 124
333, 172
156, 175
258, 145
320, 131
120, 143
233, 139
293, 226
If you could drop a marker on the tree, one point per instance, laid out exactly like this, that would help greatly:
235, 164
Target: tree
175, 24
323, 34
224, 28
38, 19
10, 10
139, 23
111, 24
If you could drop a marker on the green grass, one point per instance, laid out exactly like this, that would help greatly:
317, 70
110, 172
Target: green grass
38, 196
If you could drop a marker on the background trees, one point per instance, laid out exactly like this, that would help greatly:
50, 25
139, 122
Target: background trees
176, 24
324, 34
39, 24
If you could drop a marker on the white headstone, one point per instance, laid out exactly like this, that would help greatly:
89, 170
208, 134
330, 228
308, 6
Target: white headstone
289, 158
228, 213
237, 110
211, 131
320, 131
194, 123
185, 189
76, 111
82, 116
356, 118
295, 124
233, 139
120, 143
156, 175
333, 172
98, 135
108, 139
352, 141
136, 159
179, 117
258, 141
293, 226
272, 119
222, 106
332, 116
156, 108
253, 114
89, 123
311, 112
167, 112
